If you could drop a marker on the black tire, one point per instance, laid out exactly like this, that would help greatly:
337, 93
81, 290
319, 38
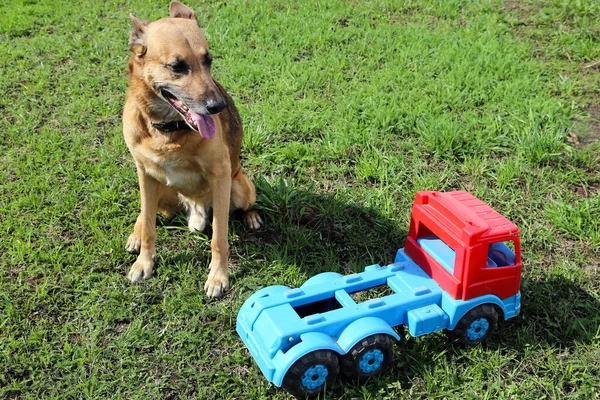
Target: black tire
370, 357
304, 377
476, 326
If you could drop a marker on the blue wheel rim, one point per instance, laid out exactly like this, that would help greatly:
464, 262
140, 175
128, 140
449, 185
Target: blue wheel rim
314, 376
371, 361
478, 329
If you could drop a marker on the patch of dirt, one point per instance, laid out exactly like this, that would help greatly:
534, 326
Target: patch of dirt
594, 262
343, 22
570, 250
121, 326
75, 339
14, 270
522, 10
587, 131
594, 111
585, 192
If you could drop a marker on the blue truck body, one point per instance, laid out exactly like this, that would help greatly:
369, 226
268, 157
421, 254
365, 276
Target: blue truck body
278, 327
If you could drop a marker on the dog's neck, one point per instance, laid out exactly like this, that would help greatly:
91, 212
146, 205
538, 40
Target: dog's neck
170, 126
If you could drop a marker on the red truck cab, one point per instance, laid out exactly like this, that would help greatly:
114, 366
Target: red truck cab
466, 246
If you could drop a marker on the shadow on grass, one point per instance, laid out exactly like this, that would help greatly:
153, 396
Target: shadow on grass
556, 312
318, 233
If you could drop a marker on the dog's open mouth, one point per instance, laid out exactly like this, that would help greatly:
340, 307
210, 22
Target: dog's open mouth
205, 124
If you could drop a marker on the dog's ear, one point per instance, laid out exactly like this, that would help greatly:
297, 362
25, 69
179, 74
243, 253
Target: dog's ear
137, 38
178, 10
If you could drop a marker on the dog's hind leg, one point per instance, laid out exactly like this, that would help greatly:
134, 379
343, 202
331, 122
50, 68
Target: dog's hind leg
168, 203
197, 213
243, 197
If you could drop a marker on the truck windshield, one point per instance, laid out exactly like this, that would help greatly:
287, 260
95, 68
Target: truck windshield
500, 254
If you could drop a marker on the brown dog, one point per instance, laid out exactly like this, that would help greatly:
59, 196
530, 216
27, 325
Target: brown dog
184, 134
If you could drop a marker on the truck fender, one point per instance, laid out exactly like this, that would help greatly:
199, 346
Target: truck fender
362, 328
265, 292
322, 278
310, 342
456, 309
253, 306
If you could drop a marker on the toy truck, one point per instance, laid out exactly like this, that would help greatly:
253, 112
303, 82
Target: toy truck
459, 271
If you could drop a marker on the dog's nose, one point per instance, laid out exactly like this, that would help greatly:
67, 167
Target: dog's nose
215, 106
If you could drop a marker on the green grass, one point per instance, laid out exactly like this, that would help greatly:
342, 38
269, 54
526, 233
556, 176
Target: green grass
349, 108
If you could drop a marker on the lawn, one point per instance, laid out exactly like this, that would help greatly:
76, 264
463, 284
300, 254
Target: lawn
349, 108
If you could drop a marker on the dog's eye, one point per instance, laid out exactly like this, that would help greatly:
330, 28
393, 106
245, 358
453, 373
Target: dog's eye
208, 59
179, 67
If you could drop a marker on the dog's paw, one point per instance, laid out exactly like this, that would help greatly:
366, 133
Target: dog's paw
196, 223
252, 220
140, 270
134, 243
217, 283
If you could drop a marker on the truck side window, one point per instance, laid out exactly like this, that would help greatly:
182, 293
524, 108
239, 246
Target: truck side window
500, 255
439, 250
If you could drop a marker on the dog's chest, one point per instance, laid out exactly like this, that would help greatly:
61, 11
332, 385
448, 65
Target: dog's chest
179, 174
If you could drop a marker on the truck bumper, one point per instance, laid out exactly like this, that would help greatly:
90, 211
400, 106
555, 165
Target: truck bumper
265, 364
512, 306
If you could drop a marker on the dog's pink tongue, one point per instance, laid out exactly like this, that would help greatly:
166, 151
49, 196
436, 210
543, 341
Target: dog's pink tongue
205, 124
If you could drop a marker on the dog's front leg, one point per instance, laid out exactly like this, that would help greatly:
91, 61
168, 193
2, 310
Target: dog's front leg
218, 277
146, 223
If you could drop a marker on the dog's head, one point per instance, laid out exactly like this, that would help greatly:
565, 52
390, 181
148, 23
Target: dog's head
172, 57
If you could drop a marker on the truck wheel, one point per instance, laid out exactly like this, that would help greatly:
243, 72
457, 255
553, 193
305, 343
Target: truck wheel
311, 374
476, 326
369, 357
